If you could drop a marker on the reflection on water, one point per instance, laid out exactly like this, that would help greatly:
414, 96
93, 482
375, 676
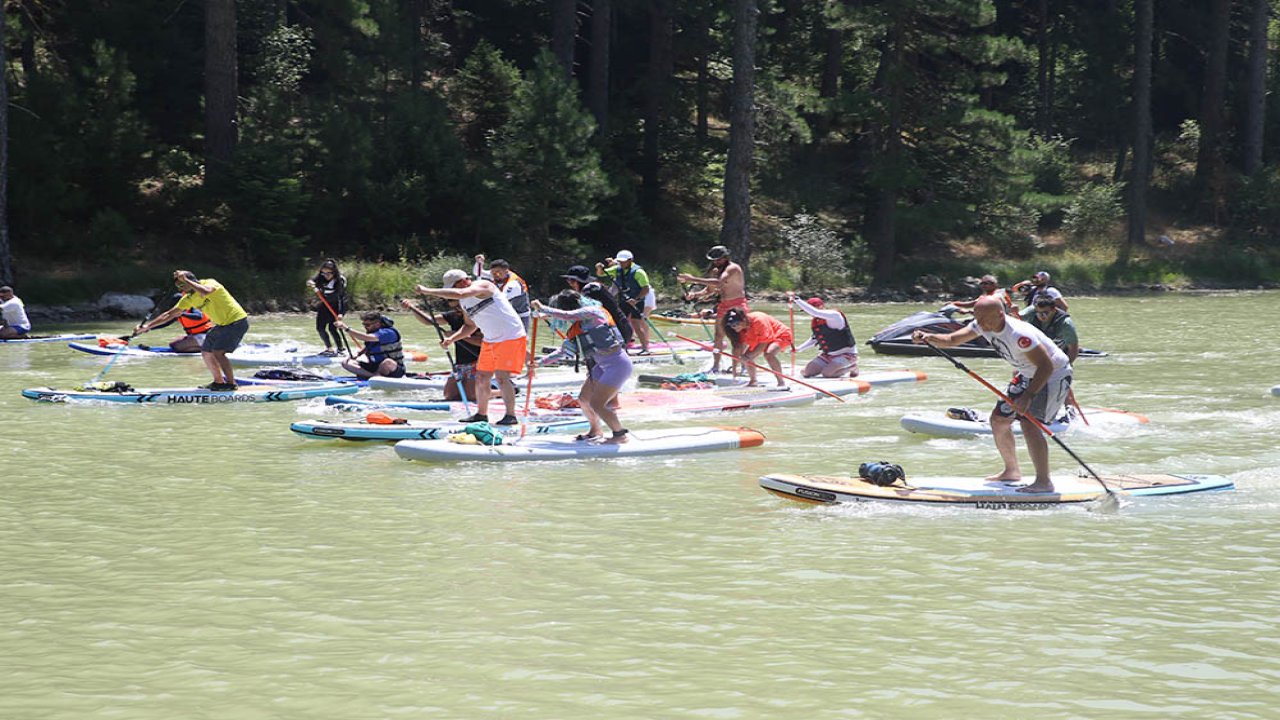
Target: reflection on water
200, 562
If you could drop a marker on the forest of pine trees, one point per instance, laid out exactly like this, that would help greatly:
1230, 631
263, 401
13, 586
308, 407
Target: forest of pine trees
259, 132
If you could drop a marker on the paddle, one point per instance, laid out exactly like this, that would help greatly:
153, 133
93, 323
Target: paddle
117, 355
528, 389
761, 367
344, 338
1108, 503
791, 308
457, 377
674, 355
1071, 398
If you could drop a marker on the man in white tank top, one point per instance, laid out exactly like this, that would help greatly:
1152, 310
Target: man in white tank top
502, 353
1039, 387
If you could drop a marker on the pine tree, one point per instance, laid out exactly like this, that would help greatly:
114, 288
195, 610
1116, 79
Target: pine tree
546, 163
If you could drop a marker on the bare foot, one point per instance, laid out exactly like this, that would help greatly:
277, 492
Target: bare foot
1004, 477
1036, 488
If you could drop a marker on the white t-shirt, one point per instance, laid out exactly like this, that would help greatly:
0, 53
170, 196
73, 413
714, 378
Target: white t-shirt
1019, 338
494, 316
14, 313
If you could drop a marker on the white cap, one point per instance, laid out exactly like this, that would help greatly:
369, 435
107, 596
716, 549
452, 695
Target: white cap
452, 277
624, 255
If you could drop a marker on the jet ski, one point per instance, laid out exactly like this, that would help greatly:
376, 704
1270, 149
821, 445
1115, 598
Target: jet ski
896, 339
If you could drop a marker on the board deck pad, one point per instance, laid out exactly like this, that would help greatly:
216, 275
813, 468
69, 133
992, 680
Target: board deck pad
984, 494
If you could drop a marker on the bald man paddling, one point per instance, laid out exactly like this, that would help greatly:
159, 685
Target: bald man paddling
1040, 385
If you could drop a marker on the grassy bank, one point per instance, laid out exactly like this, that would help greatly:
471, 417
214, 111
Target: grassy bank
381, 284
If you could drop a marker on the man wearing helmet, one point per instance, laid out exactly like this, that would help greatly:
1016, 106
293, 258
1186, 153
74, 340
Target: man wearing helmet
730, 283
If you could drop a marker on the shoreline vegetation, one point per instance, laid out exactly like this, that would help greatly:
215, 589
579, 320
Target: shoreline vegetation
71, 294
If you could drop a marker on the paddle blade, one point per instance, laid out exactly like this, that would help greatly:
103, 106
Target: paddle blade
1106, 504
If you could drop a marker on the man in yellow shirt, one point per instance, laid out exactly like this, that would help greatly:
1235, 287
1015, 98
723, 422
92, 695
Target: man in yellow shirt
231, 320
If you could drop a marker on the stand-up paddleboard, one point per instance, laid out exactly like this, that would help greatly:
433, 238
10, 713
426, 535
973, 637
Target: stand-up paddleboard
160, 351
47, 338
251, 357
418, 430
191, 396
545, 381
836, 386
939, 424
726, 399
682, 319
982, 494
640, 401
643, 442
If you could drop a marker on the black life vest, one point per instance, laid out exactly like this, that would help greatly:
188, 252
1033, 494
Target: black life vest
601, 338
829, 339
596, 291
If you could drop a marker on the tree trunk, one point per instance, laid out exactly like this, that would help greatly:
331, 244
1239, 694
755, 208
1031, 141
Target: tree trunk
833, 62
702, 92
735, 233
6, 259
564, 32
220, 91
1141, 131
658, 77
1044, 54
598, 82
1256, 102
880, 225
1213, 100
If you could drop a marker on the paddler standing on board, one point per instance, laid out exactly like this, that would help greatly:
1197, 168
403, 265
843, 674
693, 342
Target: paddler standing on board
502, 354
230, 321
731, 284
596, 333
1039, 387
511, 284
832, 335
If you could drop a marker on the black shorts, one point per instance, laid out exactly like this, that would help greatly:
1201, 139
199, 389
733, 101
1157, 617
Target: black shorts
226, 337
372, 367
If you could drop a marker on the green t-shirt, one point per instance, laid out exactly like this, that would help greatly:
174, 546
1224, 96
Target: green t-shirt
631, 282
221, 308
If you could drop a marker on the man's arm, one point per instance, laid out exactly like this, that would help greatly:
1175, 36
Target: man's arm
951, 339
163, 318
479, 288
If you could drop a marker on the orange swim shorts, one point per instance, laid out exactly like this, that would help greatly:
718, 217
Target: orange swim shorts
725, 305
507, 356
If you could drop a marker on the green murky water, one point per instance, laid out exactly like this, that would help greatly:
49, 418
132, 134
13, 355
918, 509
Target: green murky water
162, 562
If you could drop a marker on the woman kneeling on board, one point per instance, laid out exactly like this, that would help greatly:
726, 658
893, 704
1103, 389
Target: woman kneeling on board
757, 333
599, 340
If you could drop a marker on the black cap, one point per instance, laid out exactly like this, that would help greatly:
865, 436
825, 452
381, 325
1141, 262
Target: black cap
717, 252
579, 273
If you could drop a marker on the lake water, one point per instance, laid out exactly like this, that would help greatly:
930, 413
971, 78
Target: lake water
204, 562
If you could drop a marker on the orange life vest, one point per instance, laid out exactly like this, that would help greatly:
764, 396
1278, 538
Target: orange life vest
195, 322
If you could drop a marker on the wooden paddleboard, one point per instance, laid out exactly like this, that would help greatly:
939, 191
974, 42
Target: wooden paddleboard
981, 494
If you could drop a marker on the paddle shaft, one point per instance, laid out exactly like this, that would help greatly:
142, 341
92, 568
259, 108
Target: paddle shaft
1034, 421
674, 355
791, 309
766, 369
115, 357
335, 316
532, 360
457, 377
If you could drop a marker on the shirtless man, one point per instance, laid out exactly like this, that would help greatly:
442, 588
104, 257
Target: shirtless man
1039, 387
730, 284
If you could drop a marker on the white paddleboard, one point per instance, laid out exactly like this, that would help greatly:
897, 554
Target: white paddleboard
671, 441
937, 424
